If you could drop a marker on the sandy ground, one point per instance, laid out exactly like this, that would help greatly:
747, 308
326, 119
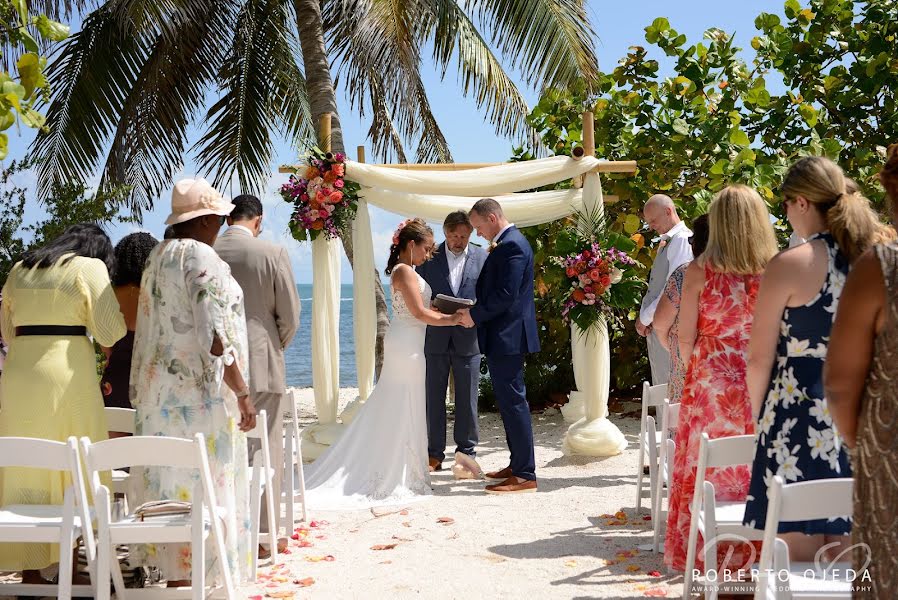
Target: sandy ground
562, 542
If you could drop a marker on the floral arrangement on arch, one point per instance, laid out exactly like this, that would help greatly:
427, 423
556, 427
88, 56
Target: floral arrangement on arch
596, 277
324, 202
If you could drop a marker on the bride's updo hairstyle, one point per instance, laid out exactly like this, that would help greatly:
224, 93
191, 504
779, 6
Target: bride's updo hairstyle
412, 230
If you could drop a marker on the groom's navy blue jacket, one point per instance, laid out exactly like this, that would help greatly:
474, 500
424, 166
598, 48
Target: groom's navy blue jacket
505, 313
436, 273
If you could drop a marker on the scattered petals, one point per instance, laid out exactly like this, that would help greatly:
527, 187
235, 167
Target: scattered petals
321, 537
256, 597
281, 594
655, 593
647, 517
632, 568
570, 563
406, 524
403, 512
655, 573
620, 515
383, 546
446, 520
304, 582
325, 558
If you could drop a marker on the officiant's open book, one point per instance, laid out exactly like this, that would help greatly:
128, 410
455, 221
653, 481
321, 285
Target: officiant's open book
449, 305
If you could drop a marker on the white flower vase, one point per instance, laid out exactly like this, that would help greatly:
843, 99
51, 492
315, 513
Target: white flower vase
593, 434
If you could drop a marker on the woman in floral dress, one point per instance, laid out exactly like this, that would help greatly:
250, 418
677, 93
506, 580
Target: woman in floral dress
667, 315
189, 374
793, 317
719, 294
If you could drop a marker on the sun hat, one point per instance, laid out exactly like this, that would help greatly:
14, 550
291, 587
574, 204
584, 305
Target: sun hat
192, 198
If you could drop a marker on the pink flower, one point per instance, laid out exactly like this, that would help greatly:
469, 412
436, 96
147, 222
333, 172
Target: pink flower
324, 214
338, 184
338, 169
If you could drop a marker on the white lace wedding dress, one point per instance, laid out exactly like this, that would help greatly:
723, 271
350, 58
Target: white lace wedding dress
381, 458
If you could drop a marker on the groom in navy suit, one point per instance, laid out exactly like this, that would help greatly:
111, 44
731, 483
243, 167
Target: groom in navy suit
453, 271
505, 317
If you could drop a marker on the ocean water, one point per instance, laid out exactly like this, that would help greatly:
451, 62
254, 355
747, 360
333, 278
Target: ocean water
299, 354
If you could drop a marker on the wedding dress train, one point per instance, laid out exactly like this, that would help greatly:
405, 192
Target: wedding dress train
381, 457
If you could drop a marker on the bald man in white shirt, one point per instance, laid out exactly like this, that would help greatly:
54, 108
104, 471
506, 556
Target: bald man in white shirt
660, 213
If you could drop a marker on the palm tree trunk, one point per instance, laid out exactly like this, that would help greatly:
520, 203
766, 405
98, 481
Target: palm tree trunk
322, 100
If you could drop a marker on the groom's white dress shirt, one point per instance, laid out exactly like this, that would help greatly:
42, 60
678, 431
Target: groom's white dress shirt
456, 267
501, 231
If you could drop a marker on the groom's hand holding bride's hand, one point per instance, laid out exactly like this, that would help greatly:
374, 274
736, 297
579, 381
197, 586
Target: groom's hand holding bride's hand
466, 320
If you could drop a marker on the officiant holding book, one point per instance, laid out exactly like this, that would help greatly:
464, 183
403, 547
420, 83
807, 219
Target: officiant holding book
453, 271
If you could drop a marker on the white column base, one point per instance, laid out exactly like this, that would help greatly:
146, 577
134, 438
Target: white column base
598, 437
575, 409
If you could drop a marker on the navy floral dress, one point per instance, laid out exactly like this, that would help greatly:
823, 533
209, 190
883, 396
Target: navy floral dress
796, 436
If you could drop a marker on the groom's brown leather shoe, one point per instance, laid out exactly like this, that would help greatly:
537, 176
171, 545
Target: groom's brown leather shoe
512, 485
499, 475
434, 464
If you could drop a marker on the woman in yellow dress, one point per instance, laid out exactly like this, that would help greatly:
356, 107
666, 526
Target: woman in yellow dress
50, 388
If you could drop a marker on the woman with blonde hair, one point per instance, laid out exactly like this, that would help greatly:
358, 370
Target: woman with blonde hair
793, 318
718, 298
861, 383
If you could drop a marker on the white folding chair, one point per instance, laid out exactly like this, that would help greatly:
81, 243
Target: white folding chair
49, 523
670, 416
717, 521
779, 578
649, 440
120, 419
262, 483
293, 467
195, 528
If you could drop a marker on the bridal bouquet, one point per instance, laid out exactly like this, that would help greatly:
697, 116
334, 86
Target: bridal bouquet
324, 202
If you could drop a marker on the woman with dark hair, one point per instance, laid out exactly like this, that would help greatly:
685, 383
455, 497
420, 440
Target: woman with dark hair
381, 458
131, 255
667, 315
56, 296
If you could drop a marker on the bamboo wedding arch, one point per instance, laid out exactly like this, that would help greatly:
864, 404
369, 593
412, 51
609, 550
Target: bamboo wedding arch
431, 191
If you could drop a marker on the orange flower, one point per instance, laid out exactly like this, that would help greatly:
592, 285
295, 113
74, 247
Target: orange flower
330, 177
578, 295
318, 225
312, 173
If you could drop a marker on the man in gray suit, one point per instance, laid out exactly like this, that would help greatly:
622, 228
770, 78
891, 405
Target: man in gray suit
271, 304
453, 271
660, 213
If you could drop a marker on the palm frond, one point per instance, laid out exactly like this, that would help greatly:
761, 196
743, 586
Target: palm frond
550, 41
480, 70
259, 72
377, 48
90, 84
149, 142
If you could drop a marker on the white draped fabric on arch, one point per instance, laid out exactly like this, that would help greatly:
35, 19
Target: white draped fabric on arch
432, 194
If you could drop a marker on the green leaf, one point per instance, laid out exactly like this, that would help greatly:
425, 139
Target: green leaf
681, 126
28, 41
632, 224
29, 72
808, 113
32, 118
4, 146
720, 167
7, 120
739, 137
793, 7
53, 31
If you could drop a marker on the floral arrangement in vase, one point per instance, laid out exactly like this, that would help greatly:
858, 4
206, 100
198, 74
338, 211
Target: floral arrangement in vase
324, 201
592, 273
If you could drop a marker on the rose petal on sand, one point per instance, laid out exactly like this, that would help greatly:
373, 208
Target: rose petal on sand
620, 515
304, 582
655, 593
446, 520
320, 537
632, 568
404, 512
383, 546
256, 597
281, 594
570, 563
654, 573
406, 524
647, 518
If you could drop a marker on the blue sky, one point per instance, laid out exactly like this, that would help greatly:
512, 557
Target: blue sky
470, 138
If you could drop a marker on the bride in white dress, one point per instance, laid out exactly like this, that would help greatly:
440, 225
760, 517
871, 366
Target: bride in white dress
381, 458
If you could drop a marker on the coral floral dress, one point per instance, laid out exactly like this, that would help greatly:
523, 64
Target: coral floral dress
714, 401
